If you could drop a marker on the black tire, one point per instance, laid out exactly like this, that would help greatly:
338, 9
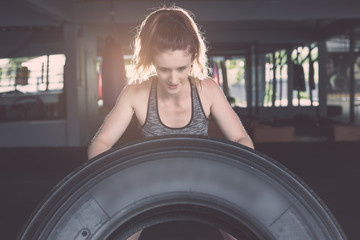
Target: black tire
182, 178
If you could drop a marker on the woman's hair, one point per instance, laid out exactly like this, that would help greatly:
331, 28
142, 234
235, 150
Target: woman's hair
168, 28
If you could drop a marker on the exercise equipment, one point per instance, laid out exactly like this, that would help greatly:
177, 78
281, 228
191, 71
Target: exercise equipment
182, 178
299, 77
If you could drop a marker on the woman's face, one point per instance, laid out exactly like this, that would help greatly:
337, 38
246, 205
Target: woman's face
173, 68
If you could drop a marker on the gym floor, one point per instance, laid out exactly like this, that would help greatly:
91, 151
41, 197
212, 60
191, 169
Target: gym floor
331, 169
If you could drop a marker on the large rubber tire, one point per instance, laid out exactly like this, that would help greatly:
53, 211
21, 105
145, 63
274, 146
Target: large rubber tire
182, 178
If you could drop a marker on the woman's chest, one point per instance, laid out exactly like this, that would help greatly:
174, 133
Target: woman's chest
175, 114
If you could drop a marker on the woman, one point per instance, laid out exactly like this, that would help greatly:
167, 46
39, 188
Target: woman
170, 92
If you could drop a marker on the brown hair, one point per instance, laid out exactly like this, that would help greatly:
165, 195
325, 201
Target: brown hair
168, 28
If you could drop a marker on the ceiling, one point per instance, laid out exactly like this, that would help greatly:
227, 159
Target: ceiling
228, 26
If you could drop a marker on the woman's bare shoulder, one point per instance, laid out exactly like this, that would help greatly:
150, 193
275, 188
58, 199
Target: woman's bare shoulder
209, 82
209, 92
208, 86
136, 89
136, 94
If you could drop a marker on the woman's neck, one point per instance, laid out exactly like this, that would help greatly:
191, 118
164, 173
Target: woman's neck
184, 92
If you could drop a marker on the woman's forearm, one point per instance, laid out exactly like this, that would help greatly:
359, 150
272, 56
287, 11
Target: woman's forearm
96, 147
246, 141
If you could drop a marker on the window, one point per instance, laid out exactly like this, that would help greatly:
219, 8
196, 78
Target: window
232, 81
338, 70
305, 75
32, 88
306, 79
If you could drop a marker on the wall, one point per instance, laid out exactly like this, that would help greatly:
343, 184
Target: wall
80, 88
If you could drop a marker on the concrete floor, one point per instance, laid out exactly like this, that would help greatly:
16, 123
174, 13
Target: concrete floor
331, 169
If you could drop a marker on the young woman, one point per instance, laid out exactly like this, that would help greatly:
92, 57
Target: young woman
170, 92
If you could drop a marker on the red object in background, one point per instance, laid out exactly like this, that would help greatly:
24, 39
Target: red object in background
216, 73
113, 73
99, 83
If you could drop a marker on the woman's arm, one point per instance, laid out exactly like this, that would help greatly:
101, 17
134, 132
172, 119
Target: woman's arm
114, 124
227, 120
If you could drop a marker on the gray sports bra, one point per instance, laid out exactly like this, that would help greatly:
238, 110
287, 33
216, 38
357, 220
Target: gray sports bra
153, 126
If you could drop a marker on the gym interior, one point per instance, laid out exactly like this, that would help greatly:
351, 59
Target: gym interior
290, 70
